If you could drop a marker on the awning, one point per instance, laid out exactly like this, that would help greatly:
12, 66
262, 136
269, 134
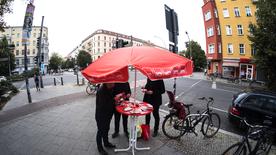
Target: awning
231, 64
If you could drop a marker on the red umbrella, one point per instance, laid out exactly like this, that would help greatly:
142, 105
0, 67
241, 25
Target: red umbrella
155, 63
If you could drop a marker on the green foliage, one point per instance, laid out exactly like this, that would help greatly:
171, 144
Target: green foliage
69, 63
55, 62
83, 59
6, 86
198, 55
5, 7
264, 40
5, 52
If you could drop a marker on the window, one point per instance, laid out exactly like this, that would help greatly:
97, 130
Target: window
34, 34
22, 52
219, 47
222, 0
253, 50
17, 43
270, 105
225, 13
242, 51
104, 44
28, 52
208, 15
104, 37
17, 52
18, 35
248, 11
98, 50
211, 48
240, 29
228, 30
252, 101
99, 37
104, 50
109, 44
230, 48
210, 32
237, 12
33, 51
17, 62
99, 44
216, 13
34, 42
218, 29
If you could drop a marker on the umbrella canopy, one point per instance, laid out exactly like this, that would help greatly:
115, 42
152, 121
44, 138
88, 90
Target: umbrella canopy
155, 63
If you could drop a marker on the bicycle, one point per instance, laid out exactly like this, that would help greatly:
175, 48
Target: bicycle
92, 88
262, 135
177, 122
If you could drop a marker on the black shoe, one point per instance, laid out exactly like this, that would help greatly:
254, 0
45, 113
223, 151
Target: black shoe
154, 133
102, 152
127, 134
109, 145
115, 134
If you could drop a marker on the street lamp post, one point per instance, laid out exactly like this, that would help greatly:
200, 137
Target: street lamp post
190, 47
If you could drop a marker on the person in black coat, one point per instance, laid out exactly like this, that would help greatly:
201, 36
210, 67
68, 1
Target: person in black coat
122, 89
153, 95
104, 111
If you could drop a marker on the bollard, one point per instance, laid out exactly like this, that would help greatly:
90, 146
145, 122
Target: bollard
61, 80
83, 81
55, 82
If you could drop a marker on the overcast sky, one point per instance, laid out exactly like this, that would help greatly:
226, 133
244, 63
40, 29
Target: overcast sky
69, 22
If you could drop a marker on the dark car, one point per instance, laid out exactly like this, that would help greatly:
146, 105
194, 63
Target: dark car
258, 107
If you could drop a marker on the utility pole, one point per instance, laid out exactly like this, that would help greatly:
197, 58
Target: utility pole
39, 53
190, 46
26, 33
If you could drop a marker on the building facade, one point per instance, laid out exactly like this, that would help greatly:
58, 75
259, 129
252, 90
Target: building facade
14, 36
228, 49
101, 41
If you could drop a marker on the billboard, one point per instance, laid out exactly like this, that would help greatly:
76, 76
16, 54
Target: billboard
28, 22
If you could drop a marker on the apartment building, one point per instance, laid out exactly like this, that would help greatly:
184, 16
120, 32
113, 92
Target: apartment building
102, 41
228, 49
14, 36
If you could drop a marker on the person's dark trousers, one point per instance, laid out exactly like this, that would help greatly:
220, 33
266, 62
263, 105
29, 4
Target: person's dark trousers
156, 118
117, 117
102, 133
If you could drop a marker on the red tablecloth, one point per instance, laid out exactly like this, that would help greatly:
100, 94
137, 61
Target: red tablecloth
134, 109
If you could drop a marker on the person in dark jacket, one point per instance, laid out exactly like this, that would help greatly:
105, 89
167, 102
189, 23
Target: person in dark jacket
121, 89
104, 111
153, 91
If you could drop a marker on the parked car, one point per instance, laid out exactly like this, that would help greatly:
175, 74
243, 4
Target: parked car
3, 78
257, 106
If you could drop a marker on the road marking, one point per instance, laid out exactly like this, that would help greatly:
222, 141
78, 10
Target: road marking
217, 109
227, 90
214, 85
176, 97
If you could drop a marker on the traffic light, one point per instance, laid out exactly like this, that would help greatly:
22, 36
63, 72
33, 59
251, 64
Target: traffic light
38, 42
35, 59
42, 57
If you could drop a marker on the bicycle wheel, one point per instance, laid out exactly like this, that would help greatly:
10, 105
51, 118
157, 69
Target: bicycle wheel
264, 147
210, 125
90, 90
236, 149
172, 127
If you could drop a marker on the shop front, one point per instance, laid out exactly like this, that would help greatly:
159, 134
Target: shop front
230, 68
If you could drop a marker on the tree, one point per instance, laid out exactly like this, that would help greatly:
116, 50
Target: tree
6, 52
83, 59
55, 62
263, 40
198, 55
5, 7
68, 63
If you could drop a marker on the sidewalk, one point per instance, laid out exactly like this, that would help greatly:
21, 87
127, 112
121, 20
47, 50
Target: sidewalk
61, 120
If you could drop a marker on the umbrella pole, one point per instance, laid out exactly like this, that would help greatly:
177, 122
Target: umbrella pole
135, 79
